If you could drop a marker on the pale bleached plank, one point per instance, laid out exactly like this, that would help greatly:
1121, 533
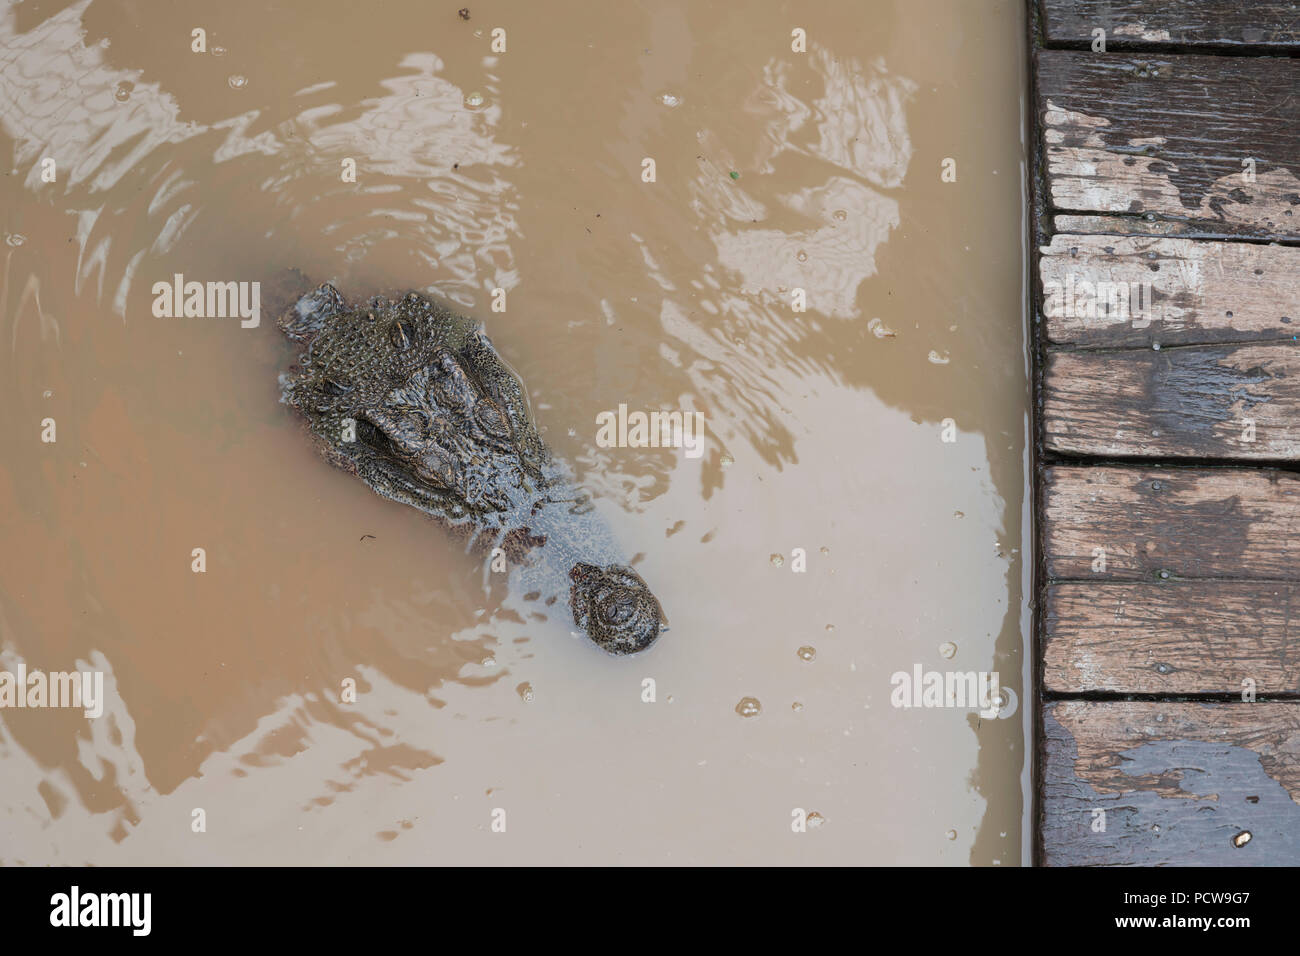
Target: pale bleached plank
1201, 637
1232, 402
1110, 291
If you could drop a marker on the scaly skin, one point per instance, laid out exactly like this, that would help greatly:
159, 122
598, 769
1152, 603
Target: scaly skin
443, 424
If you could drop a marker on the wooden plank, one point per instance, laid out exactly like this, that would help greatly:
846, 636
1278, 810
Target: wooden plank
1179, 783
1121, 225
1208, 141
1131, 24
1109, 292
1186, 522
1234, 401
1202, 637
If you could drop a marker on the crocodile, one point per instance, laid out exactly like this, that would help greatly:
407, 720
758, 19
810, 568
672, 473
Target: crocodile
412, 398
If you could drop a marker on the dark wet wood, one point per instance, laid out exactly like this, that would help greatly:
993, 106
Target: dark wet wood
1207, 141
1172, 637
1235, 401
1135, 24
1213, 784
1241, 524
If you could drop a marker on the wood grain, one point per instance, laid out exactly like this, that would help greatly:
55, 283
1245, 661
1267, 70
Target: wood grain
1186, 522
1203, 637
1236, 401
1111, 292
1205, 141
1122, 225
1179, 783
1134, 24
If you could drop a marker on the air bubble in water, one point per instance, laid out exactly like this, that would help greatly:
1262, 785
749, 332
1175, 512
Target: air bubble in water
668, 99
880, 330
525, 691
938, 359
727, 461
122, 93
807, 653
237, 81
776, 560
948, 650
815, 820
749, 707
474, 100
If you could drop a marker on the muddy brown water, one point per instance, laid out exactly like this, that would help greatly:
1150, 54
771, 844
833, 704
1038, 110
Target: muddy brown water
519, 170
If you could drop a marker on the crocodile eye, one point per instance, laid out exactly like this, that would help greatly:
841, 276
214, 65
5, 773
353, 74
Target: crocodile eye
331, 387
491, 418
400, 336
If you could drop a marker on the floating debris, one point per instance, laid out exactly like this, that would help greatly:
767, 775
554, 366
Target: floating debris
938, 359
880, 330
727, 461
525, 692
776, 560
749, 707
1241, 839
815, 820
807, 653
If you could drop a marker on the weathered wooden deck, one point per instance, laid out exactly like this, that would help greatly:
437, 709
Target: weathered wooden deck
1169, 440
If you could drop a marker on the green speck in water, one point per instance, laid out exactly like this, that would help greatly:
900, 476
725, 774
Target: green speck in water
735, 175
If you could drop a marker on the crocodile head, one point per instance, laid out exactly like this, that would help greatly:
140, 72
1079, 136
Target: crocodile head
413, 399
